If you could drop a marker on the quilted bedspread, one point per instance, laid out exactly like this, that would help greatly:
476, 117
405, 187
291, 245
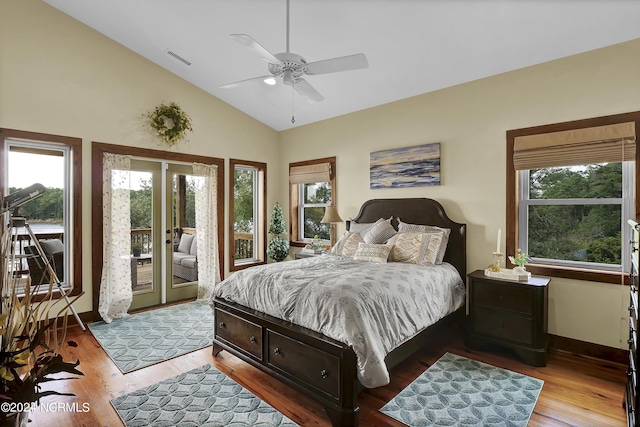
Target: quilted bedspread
372, 307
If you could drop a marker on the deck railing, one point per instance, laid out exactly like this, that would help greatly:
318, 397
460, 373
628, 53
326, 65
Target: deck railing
243, 245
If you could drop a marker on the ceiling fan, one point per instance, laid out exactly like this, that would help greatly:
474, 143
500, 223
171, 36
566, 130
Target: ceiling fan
291, 66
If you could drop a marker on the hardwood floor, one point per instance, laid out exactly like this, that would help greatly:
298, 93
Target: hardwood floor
578, 391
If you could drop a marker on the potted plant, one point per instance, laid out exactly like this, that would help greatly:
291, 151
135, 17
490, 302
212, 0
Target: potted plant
30, 339
278, 247
136, 248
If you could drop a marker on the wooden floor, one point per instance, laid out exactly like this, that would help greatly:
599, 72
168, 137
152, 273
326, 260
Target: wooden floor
577, 391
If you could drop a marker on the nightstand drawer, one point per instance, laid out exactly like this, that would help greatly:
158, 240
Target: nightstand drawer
512, 328
509, 297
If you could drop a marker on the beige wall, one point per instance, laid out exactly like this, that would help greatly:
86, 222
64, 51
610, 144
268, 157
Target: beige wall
470, 121
58, 76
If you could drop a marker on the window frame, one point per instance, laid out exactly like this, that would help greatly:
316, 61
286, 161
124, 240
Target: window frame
513, 185
301, 207
295, 199
260, 189
625, 208
73, 236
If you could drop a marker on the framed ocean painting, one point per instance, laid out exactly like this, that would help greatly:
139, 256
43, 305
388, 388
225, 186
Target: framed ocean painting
416, 166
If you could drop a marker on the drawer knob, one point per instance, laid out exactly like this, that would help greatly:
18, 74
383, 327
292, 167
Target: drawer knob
276, 351
252, 340
324, 374
500, 297
222, 325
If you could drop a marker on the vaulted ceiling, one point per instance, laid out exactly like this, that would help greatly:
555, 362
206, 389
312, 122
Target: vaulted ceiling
412, 46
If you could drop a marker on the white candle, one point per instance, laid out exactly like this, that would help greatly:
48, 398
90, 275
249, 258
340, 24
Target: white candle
498, 244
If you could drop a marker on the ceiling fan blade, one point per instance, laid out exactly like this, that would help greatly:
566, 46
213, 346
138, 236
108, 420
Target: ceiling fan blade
343, 63
253, 79
247, 40
305, 89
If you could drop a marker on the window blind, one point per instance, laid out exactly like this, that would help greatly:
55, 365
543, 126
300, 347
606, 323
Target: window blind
319, 172
600, 144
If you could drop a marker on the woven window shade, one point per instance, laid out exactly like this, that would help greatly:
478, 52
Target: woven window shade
319, 172
601, 144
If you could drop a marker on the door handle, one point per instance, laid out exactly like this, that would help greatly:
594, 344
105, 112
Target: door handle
167, 241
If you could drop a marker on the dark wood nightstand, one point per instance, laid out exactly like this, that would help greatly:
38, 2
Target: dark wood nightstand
509, 314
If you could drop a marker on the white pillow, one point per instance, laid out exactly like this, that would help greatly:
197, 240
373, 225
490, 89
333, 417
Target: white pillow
185, 243
372, 253
361, 227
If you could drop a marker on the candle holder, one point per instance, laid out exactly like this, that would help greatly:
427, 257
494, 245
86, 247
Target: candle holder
497, 262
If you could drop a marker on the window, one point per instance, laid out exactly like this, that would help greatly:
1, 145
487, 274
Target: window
573, 187
247, 213
312, 189
54, 217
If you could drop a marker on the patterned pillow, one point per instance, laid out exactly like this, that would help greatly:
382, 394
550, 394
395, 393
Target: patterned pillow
348, 244
372, 253
361, 227
415, 248
418, 228
381, 231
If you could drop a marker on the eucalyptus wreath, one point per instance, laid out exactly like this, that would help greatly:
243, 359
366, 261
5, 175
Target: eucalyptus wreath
170, 123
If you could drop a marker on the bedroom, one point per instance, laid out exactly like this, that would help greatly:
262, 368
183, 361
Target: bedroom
99, 89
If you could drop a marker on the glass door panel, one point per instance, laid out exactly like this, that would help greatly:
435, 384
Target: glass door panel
182, 252
146, 226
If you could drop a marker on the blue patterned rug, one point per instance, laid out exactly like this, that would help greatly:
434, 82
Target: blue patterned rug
154, 336
459, 391
201, 397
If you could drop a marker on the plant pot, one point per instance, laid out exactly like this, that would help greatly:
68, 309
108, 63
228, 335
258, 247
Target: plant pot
137, 252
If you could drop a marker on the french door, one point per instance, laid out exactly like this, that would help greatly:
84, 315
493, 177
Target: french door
164, 252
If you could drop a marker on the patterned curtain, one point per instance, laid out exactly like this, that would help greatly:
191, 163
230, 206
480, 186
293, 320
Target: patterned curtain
206, 195
115, 286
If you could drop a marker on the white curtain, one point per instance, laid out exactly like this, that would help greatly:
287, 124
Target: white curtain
206, 198
115, 286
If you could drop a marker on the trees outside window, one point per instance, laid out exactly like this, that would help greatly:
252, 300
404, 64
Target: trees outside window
574, 215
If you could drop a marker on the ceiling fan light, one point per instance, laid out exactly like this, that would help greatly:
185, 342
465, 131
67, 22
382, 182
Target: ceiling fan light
270, 81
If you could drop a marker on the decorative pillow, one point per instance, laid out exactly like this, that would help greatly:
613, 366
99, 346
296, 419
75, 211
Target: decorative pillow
185, 243
380, 232
193, 250
52, 246
348, 244
415, 248
361, 227
372, 253
418, 228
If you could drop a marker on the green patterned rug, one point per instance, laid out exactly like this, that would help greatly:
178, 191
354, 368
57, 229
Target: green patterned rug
154, 336
201, 397
459, 391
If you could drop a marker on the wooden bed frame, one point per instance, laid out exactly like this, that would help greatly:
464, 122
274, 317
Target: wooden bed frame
312, 363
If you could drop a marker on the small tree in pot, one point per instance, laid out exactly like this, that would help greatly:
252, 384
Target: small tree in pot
278, 247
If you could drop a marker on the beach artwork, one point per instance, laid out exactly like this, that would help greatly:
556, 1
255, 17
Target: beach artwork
416, 166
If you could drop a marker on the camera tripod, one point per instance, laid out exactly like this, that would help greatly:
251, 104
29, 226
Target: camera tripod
16, 222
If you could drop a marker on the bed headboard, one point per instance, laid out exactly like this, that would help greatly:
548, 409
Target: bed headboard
420, 211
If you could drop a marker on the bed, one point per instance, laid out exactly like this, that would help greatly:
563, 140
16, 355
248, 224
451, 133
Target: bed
325, 368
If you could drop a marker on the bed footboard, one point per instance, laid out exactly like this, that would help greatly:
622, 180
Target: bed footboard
322, 368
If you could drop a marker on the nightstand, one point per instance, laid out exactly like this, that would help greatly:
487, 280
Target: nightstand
301, 255
510, 314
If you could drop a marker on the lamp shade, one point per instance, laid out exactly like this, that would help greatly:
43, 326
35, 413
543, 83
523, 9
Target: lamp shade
331, 215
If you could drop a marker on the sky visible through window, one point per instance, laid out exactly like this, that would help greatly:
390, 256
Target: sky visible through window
26, 169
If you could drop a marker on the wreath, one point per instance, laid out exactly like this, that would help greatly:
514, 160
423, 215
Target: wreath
170, 123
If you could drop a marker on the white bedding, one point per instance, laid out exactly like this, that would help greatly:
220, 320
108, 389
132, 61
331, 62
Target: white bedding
372, 307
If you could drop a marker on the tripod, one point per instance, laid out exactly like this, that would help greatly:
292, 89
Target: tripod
18, 222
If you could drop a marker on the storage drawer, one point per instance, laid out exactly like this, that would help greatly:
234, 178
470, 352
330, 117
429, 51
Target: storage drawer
244, 335
512, 328
315, 367
516, 298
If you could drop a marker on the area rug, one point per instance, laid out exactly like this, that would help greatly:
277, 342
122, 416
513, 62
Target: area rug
459, 391
154, 336
201, 397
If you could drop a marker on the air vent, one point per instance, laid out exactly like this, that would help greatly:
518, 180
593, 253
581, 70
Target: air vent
178, 57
